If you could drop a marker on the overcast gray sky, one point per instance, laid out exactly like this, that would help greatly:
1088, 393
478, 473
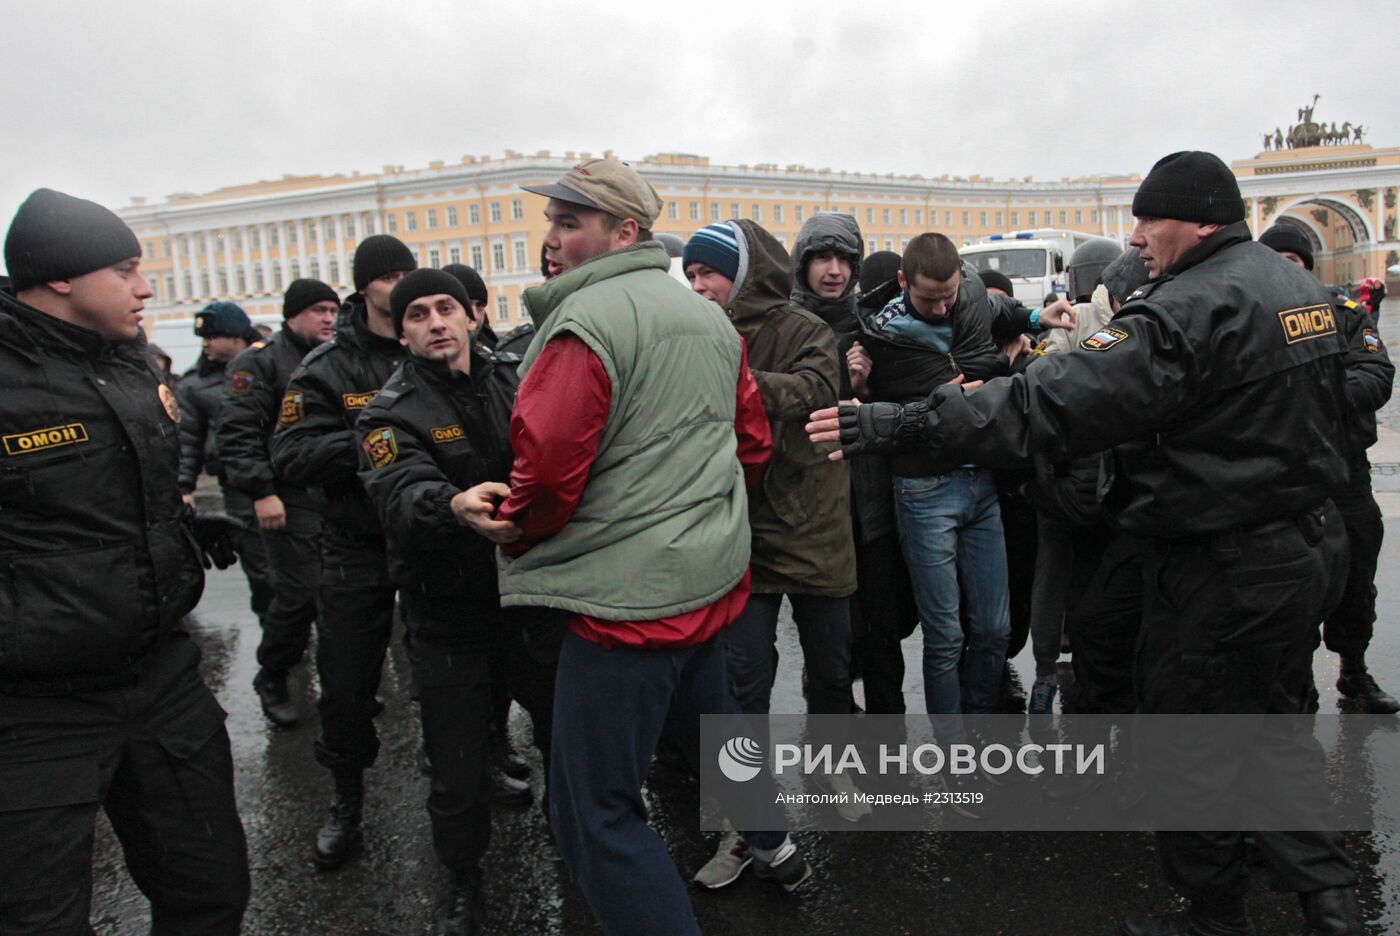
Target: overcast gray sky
109, 100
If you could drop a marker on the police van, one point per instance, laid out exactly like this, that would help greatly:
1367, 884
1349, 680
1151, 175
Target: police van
1034, 261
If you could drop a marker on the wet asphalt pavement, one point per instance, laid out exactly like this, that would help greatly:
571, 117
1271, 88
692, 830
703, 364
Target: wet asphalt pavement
874, 884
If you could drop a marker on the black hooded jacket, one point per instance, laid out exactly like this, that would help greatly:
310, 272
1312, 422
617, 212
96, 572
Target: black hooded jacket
315, 443
97, 557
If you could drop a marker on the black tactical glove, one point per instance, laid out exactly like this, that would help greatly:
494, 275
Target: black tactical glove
215, 535
881, 427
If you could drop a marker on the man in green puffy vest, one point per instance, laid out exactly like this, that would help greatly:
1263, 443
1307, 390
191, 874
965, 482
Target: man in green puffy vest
637, 430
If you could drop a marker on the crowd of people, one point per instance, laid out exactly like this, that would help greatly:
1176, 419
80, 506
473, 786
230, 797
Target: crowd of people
599, 515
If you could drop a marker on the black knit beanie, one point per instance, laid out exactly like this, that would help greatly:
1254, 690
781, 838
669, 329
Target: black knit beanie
470, 280
1285, 238
56, 236
1190, 186
995, 279
379, 254
302, 293
422, 283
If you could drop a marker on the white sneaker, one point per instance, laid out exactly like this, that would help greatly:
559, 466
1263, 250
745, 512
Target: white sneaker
730, 860
852, 810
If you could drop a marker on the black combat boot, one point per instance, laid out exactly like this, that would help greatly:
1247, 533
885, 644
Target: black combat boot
463, 913
1198, 921
276, 700
341, 834
1332, 912
510, 792
1362, 687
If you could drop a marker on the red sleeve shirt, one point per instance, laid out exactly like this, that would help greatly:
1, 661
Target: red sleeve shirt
560, 411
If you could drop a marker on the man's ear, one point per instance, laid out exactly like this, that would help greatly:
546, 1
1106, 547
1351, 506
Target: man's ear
626, 232
62, 287
903, 284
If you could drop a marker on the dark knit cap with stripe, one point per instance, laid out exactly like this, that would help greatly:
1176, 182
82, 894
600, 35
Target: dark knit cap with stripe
1190, 186
56, 236
716, 246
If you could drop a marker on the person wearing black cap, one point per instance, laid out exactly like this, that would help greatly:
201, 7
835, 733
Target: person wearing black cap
440, 426
315, 446
226, 332
101, 701
1370, 377
1220, 384
287, 516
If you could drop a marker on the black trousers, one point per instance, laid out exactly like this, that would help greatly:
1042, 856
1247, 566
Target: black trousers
357, 619
1349, 626
883, 613
1228, 627
294, 572
1103, 621
252, 553
464, 647
155, 756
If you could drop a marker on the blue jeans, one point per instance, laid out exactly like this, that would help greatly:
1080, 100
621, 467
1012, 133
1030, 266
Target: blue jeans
950, 530
823, 626
609, 707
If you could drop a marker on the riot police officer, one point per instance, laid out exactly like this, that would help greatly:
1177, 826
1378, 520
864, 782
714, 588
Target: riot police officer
1370, 377
1220, 384
101, 701
441, 425
287, 516
315, 445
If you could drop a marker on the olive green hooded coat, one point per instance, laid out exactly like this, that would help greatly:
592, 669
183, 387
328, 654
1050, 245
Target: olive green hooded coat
801, 513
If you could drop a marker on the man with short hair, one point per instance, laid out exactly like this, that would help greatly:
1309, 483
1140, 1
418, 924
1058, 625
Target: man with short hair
626, 357
1231, 508
287, 516
101, 701
226, 332
440, 426
315, 445
1370, 378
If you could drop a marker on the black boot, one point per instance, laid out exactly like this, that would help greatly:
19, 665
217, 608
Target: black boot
1197, 921
1362, 687
463, 914
1332, 912
341, 834
276, 700
510, 792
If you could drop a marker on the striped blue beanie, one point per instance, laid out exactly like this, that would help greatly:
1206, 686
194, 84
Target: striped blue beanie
717, 247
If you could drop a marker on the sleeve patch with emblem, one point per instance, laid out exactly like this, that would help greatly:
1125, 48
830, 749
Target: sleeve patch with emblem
167, 400
444, 434
293, 408
1103, 339
380, 448
39, 440
240, 382
1372, 339
354, 401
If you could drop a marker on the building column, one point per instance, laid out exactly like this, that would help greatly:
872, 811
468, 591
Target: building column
178, 270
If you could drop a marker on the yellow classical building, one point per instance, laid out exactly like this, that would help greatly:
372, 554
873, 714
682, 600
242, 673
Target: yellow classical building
246, 242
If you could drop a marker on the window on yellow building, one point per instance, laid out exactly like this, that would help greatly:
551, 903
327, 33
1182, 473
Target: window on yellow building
521, 255
476, 257
967, 219
982, 218
502, 309
498, 257
797, 214
1064, 217
758, 213
410, 220
335, 270
495, 212
673, 211
695, 211
517, 209
777, 214
452, 216
1015, 219
734, 211
431, 220
1078, 217
434, 258
454, 255
314, 268
999, 216
391, 224
473, 214
885, 217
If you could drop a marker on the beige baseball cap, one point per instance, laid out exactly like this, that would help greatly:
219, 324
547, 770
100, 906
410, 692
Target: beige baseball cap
607, 185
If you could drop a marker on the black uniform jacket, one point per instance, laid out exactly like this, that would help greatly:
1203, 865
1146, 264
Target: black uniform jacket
315, 443
1370, 377
97, 559
1220, 384
430, 434
252, 395
201, 396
